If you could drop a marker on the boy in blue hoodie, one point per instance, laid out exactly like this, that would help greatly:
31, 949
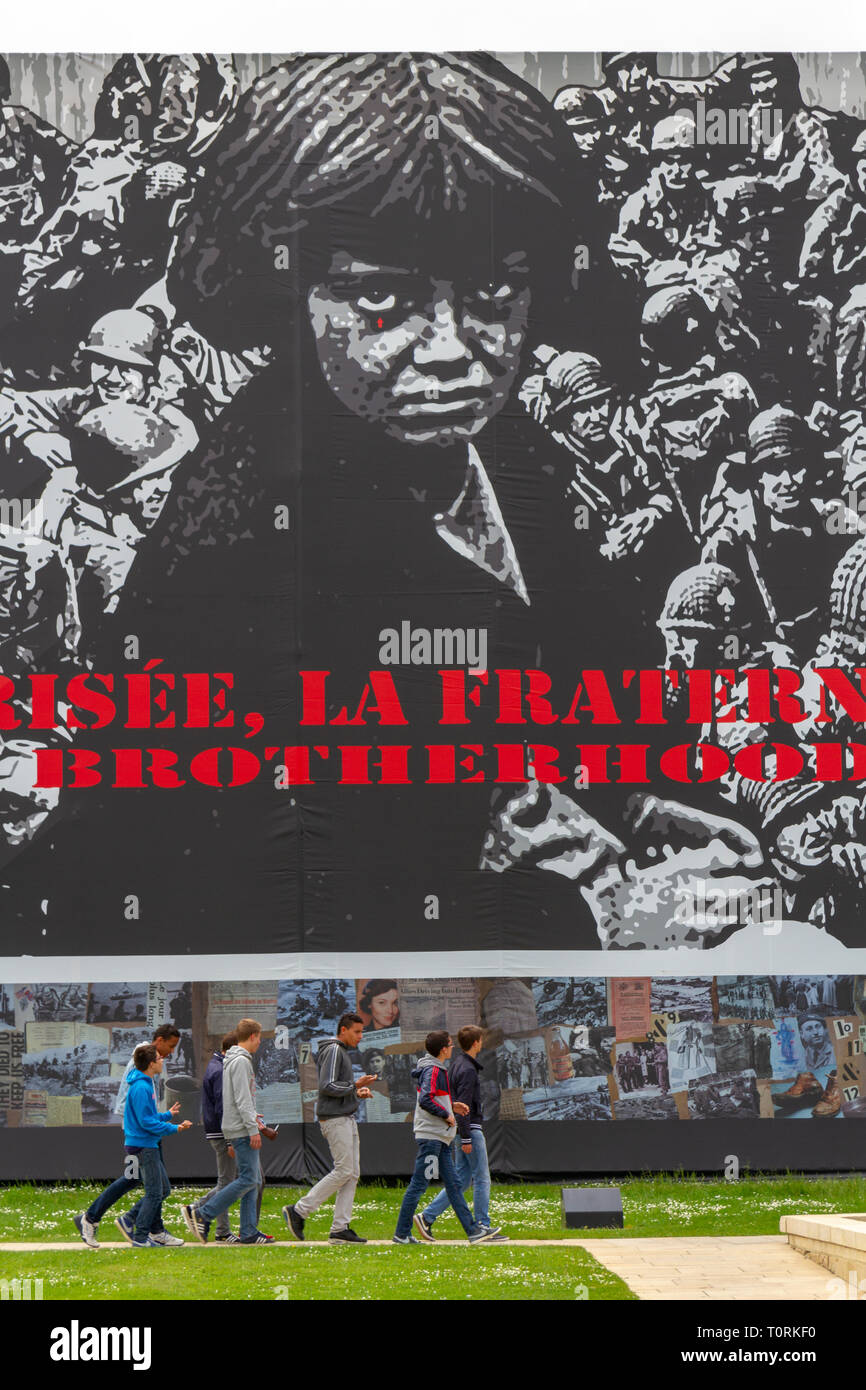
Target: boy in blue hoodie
143, 1127
435, 1127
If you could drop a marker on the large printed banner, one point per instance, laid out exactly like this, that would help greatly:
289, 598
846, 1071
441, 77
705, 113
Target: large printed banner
433, 555
557, 1048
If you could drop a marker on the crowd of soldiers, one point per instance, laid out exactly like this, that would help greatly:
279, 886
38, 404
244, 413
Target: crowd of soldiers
724, 469
735, 451
97, 410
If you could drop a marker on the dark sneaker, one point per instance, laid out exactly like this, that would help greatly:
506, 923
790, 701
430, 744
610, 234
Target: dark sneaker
485, 1235
86, 1229
496, 1235
198, 1224
423, 1227
126, 1227
404, 1240
258, 1239
294, 1222
230, 1239
346, 1237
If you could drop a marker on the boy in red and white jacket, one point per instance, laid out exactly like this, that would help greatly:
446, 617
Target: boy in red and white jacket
435, 1127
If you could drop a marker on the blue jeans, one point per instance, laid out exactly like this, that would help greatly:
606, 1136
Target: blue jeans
427, 1171
156, 1189
471, 1171
113, 1193
245, 1187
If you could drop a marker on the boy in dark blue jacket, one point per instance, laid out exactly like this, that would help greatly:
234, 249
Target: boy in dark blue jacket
143, 1127
212, 1118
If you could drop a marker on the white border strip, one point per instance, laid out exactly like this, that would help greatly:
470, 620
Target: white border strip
793, 949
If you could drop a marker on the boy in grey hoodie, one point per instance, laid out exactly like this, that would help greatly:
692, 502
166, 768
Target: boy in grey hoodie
435, 1127
240, 1129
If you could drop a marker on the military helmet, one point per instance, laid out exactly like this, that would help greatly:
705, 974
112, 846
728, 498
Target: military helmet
778, 434
848, 603
676, 132
676, 320
701, 599
129, 336
580, 376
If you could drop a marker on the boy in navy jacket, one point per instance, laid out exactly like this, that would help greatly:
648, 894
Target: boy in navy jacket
212, 1117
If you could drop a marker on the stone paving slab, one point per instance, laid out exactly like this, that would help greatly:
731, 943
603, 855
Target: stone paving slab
730, 1268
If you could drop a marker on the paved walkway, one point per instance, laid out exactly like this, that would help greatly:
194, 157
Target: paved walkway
725, 1268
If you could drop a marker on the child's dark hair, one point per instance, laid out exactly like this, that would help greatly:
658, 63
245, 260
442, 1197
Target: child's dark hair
437, 1041
144, 1056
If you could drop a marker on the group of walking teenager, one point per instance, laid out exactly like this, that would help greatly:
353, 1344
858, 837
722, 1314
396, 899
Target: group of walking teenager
448, 1109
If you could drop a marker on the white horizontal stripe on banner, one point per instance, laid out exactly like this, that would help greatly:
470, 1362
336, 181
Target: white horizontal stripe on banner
770, 948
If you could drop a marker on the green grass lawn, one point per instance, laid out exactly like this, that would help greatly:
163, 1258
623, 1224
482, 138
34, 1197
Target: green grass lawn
665, 1206
305, 1272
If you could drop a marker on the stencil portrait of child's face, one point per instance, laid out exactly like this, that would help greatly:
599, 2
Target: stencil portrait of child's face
430, 357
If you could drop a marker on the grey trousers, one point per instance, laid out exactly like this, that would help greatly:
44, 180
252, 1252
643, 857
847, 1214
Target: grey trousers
341, 1136
227, 1171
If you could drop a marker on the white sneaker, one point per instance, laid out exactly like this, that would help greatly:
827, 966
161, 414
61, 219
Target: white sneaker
86, 1230
163, 1238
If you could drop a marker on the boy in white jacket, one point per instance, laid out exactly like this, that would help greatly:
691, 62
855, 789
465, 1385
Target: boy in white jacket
241, 1130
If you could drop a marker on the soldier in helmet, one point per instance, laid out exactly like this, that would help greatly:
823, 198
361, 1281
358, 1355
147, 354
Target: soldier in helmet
107, 238
573, 398
833, 255
704, 607
766, 520
34, 157
691, 416
672, 215
111, 447
125, 365
814, 831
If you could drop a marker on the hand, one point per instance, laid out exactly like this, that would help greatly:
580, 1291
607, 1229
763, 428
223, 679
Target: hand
639, 899
467, 1148
185, 1124
450, 1121
366, 1080
51, 449
230, 1151
59, 495
364, 1092
541, 826
173, 1109
628, 535
821, 416
256, 1141
460, 1107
